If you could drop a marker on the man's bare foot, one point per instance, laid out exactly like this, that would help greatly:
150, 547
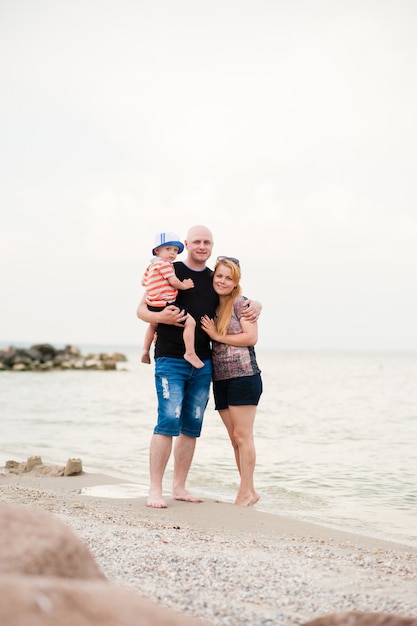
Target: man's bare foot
145, 358
185, 496
156, 502
192, 358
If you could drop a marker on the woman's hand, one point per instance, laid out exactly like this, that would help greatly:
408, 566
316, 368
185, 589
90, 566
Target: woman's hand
208, 325
248, 336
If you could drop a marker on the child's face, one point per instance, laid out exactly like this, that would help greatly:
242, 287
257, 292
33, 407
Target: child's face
167, 253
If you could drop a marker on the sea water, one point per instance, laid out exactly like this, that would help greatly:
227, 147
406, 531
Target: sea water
335, 433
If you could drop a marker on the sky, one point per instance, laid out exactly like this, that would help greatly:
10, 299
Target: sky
288, 128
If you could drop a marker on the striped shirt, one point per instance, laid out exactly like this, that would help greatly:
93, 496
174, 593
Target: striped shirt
158, 290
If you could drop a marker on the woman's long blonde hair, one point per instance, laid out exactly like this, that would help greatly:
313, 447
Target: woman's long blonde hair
225, 313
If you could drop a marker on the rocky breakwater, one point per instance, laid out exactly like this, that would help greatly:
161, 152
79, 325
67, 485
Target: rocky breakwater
45, 357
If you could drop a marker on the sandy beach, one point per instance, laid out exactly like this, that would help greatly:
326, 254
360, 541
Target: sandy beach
224, 564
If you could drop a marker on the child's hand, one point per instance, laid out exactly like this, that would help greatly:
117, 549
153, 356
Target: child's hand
188, 283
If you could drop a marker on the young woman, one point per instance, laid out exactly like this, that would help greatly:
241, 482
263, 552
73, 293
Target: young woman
237, 383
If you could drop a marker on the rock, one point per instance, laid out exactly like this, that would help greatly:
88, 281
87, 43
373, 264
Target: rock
19, 367
46, 351
117, 356
48, 601
48, 577
66, 365
47, 365
37, 543
44, 357
109, 364
358, 618
7, 356
92, 363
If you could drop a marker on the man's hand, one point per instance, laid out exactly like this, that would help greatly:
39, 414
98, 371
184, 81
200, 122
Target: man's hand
252, 310
169, 315
172, 315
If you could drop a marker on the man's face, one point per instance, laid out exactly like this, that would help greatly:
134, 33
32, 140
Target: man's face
199, 246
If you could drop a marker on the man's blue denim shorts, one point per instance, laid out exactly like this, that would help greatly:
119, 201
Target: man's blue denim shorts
183, 393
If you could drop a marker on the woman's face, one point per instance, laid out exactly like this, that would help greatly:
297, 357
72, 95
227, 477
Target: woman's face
223, 282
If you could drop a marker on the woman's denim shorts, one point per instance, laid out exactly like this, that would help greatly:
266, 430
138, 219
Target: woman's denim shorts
242, 391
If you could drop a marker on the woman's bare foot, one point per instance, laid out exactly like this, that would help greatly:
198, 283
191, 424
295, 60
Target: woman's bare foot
255, 498
185, 496
192, 358
244, 500
145, 358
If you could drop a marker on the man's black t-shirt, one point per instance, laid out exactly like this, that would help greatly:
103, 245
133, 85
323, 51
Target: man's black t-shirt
198, 301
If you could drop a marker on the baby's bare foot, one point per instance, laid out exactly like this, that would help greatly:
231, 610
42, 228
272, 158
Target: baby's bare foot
194, 360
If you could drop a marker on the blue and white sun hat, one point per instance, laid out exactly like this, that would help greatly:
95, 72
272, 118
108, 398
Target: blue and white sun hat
167, 239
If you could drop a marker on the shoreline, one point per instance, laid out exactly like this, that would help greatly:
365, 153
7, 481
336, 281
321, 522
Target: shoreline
210, 515
224, 564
